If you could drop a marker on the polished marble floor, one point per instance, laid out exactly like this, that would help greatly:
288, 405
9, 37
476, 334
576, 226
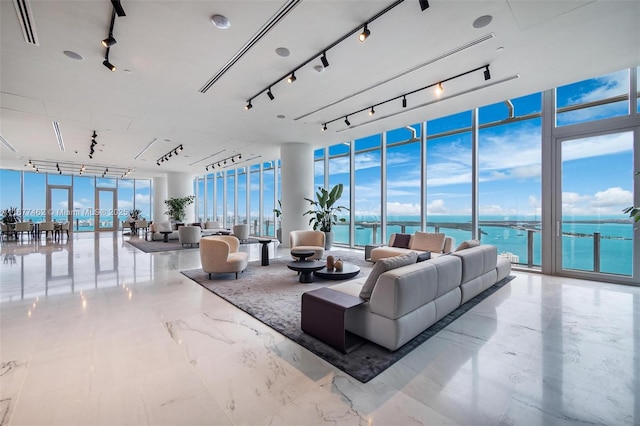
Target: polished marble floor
94, 332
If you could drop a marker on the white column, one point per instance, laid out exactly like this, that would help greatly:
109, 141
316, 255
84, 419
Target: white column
181, 185
297, 183
159, 195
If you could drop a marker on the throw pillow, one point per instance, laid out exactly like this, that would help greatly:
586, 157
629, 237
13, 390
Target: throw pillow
467, 244
401, 241
427, 241
382, 266
424, 256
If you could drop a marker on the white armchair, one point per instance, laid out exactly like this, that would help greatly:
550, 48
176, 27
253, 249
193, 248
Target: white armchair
308, 240
189, 235
219, 254
241, 232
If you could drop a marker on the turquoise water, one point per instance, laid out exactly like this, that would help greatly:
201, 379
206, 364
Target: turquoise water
616, 242
616, 238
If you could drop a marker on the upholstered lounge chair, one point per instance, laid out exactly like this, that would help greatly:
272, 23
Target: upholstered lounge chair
189, 235
219, 254
241, 232
308, 240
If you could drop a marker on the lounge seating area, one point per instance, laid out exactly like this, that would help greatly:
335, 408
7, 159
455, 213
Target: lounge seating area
402, 297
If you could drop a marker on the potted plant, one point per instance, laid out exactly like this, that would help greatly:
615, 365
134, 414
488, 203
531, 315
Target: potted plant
324, 212
10, 216
278, 212
176, 207
135, 214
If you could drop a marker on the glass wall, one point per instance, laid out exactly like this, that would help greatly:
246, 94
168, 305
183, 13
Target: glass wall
52, 196
507, 172
339, 172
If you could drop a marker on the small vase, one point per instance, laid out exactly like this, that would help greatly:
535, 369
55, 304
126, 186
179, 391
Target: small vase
339, 264
330, 263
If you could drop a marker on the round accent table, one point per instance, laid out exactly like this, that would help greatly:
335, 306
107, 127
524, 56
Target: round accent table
301, 254
306, 269
348, 271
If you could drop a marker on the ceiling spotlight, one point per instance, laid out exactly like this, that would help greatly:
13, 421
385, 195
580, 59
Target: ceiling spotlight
487, 74
162, 159
240, 156
292, 77
325, 62
109, 65
95, 135
439, 88
218, 164
364, 34
346, 121
248, 106
109, 41
404, 102
225, 162
233, 160
372, 111
270, 95
180, 148
91, 156
207, 168
324, 127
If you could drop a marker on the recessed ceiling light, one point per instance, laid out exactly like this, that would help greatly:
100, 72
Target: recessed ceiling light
280, 116
482, 21
318, 68
73, 55
220, 21
283, 51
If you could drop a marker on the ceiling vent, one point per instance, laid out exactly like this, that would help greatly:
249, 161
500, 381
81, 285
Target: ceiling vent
25, 16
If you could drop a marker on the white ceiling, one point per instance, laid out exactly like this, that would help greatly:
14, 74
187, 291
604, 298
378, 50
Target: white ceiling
171, 50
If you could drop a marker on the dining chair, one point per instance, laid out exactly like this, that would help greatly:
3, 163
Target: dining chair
47, 227
22, 227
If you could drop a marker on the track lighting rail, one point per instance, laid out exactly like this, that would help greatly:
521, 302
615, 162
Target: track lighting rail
223, 162
371, 108
322, 54
169, 154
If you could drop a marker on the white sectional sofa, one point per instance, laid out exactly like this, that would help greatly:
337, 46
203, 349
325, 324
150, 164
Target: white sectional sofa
420, 242
410, 298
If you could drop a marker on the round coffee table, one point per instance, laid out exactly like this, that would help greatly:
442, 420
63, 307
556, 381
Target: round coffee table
302, 254
348, 271
306, 269
166, 235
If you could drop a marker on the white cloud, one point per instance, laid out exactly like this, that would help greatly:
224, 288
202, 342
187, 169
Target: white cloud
597, 146
437, 207
125, 205
609, 202
402, 209
613, 197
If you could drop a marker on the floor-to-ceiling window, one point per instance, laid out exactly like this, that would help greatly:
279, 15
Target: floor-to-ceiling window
509, 177
339, 172
403, 180
367, 191
268, 203
254, 197
230, 215
448, 177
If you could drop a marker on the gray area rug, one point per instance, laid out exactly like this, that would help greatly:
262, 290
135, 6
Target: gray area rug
158, 246
272, 294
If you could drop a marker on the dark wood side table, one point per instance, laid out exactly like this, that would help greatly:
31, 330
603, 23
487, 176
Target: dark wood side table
166, 235
323, 317
265, 250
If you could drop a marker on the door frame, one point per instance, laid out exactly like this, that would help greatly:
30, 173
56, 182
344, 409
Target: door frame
114, 209
69, 190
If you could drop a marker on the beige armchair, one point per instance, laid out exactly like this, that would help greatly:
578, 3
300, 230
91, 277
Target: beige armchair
308, 240
219, 254
241, 232
189, 235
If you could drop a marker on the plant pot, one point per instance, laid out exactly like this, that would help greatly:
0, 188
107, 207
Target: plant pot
328, 240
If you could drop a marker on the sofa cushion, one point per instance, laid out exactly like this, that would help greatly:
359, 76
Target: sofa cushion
423, 256
477, 261
401, 241
468, 244
383, 266
427, 241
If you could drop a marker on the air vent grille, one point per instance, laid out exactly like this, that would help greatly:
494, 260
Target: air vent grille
25, 16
